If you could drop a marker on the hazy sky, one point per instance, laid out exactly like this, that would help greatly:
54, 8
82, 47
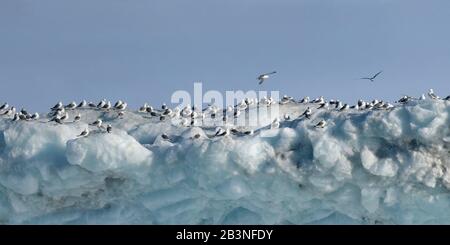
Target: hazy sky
140, 50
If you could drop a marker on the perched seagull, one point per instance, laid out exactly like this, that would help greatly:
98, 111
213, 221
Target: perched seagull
101, 104
109, 128
16, 117
35, 116
107, 106
118, 103
250, 132
404, 99
275, 123
372, 78
71, 106
447, 98
222, 132
65, 117
149, 109
432, 95
319, 100
77, 118
57, 106
97, 123
321, 124
304, 100
264, 76
237, 113
23, 111
143, 108
323, 105
84, 133
82, 104
345, 107
307, 113
11, 111
122, 106
4, 106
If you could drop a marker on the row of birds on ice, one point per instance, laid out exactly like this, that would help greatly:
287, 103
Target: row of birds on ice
59, 113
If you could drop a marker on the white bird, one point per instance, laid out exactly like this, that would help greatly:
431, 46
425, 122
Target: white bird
264, 76
373, 77
275, 123
323, 105
77, 118
84, 133
422, 97
286, 116
222, 132
118, 103
101, 104
122, 106
72, 105
319, 100
164, 106
65, 117
250, 132
35, 116
286, 99
82, 104
345, 107
143, 108
107, 106
59, 105
432, 95
307, 113
404, 99
16, 117
361, 104
321, 124
237, 113
149, 109
109, 128
305, 100
388, 106
4, 106
97, 123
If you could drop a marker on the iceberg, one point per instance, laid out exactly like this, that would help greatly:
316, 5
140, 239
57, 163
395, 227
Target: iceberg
377, 166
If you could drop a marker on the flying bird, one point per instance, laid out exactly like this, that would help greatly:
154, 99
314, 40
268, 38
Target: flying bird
372, 78
264, 76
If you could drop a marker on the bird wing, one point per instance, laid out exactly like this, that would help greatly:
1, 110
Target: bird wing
261, 81
377, 74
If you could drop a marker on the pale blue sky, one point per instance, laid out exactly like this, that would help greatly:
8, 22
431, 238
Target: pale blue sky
141, 50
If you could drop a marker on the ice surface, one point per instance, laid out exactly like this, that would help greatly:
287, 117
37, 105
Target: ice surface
364, 167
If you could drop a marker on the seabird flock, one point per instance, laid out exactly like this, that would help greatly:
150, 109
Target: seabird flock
59, 113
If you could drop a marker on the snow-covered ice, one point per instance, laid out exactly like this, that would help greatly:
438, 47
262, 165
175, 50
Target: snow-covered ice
364, 167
